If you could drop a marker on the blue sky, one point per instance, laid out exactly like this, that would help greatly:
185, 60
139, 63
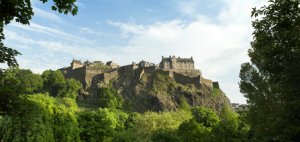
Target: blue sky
217, 33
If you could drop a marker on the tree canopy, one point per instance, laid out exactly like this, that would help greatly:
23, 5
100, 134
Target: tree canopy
21, 11
271, 81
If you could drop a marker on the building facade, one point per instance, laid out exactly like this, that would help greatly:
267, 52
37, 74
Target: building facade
177, 63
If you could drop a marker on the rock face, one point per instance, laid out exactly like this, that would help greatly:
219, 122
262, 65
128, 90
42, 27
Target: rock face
146, 86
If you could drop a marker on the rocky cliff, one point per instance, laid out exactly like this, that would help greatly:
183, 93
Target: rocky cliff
149, 88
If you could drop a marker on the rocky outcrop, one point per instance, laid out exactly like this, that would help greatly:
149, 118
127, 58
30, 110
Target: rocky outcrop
150, 88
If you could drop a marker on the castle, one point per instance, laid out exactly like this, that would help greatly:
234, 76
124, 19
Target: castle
181, 69
179, 65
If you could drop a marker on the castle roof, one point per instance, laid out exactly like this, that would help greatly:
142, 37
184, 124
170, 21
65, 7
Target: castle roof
185, 60
169, 59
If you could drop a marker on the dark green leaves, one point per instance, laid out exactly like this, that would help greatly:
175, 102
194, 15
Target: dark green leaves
271, 80
7, 55
21, 11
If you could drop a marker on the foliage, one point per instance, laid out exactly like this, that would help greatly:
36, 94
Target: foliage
230, 128
54, 82
31, 83
15, 81
193, 131
40, 118
184, 104
141, 127
108, 98
21, 11
217, 92
162, 135
199, 128
207, 126
205, 116
72, 88
271, 80
7, 55
97, 125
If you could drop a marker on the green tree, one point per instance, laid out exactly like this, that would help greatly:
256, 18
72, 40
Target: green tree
21, 11
230, 128
31, 83
108, 98
72, 88
162, 135
9, 90
98, 125
40, 118
15, 81
152, 125
192, 131
199, 128
54, 82
205, 116
271, 81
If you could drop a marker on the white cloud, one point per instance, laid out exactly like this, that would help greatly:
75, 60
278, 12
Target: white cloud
47, 15
217, 46
53, 32
127, 28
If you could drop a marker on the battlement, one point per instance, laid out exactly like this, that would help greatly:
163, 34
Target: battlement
76, 64
181, 69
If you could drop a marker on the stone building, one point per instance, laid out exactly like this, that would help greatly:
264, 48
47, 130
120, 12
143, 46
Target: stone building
145, 64
177, 63
76, 64
180, 65
112, 64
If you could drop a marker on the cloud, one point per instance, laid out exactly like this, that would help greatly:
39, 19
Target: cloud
218, 44
126, 28
86, 30
48, 15
53, 32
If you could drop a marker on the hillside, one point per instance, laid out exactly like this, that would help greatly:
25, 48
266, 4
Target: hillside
149, 87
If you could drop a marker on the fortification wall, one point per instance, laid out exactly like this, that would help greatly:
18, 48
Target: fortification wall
76, 64
191, 73
78, 74
90, 73
128, 68
108, 76
207, 82
149, 69
183, 79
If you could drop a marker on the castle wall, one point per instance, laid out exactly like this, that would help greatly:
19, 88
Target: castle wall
190, 73
106, 77
78, 74
177, 63
207, 82
183, 79
76, 64
90, 73
184, 65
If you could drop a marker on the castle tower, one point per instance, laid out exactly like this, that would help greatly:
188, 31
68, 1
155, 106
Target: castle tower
173, 62
76, 64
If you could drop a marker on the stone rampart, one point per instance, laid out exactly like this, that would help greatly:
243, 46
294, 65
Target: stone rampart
183, 79
207, 82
